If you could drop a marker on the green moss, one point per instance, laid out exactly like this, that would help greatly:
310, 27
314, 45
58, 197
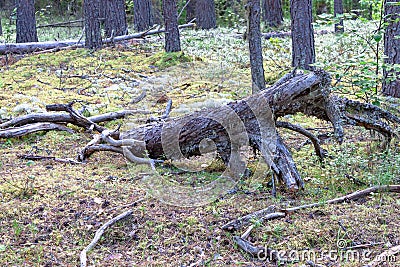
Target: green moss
163, 60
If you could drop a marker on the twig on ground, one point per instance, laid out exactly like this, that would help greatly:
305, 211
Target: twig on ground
99, 233
365, 245
138, 98
32, 128
246, 234
38, 157
249, 248
272, 213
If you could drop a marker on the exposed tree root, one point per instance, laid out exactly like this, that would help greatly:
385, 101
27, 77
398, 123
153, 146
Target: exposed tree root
321, 153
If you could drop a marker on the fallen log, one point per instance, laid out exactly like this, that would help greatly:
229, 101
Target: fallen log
229, 129
269, 35
62, 24
21, 48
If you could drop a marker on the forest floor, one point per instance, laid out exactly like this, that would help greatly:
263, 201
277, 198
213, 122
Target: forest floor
50, 211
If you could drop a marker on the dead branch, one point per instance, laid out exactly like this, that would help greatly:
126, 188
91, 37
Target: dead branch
266, 214
67, 118
77, 118
37, 157
32, 128
99, 233
271, 213
37, 46
138, 98
270, 35
61, 24
87, 151
249, 248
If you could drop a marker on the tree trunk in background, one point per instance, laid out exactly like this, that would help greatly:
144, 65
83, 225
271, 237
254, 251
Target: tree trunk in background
356, 7
26, 22
115, 18
190, 10
338, 10
172, 38
272, 12
142, 15
303, 51
91, 10
205, 14
391, 84
254, 38
1, 28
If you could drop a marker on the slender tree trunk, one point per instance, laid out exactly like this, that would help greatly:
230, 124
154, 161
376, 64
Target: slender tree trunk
205, 14
190, 10
338, 11
1, 28
115, 18
92, 11
26, 22
303, 51
142, 15
272, 12
172, 38
391, 84
254, 38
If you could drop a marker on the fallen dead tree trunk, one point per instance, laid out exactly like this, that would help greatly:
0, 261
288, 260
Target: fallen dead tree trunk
269, 35
226, 130
21, 48
62, 24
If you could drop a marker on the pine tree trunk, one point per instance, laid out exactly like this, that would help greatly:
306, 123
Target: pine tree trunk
303, 51
172, 38
190, 10
272, 12
26, 22
338, 10
254, 38
142, 15
205, 14
92, 24
115, 18
391, 84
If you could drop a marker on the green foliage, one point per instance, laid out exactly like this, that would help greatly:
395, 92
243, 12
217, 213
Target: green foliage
355, 59
230, 13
